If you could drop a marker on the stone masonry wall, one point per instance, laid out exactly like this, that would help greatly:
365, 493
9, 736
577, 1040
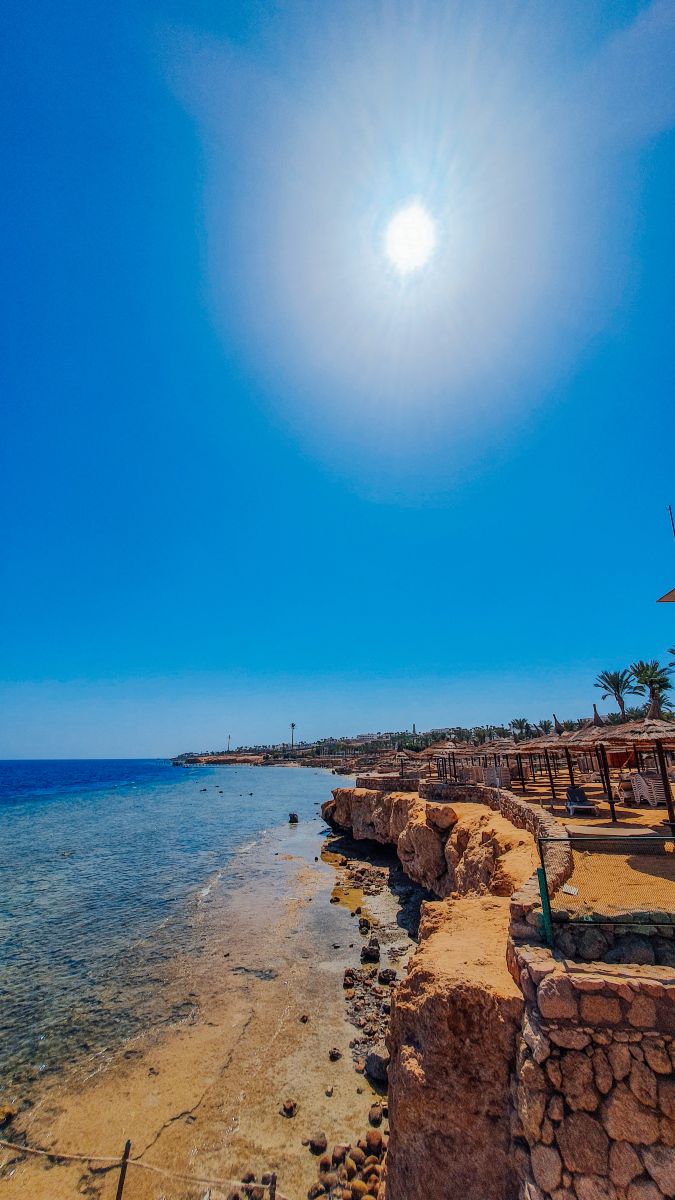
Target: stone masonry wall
593, 1090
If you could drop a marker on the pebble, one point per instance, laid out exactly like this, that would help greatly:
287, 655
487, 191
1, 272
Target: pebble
318, 1142
289, 1107
334, 1054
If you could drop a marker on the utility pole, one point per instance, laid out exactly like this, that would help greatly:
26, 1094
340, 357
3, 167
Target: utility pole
292, 733
228, 743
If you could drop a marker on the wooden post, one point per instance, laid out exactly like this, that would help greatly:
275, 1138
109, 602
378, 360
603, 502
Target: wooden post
570, 768
661, 760
123, 1171
604, 771
550, 774
519, 760
273, 1186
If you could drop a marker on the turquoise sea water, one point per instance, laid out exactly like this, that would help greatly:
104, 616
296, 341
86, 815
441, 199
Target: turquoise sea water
100, 865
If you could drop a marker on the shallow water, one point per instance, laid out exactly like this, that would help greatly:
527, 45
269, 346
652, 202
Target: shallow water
102, 869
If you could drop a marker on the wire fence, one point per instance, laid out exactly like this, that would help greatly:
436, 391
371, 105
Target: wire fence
616, 880
267, 1187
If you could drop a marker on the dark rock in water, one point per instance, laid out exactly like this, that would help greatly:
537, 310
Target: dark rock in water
334, 1054
377, 1063
364, 924
318, 1143
289, 1107
371, 952
293, 818
388, 975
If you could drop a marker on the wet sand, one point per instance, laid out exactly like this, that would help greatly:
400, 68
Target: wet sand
203, 1096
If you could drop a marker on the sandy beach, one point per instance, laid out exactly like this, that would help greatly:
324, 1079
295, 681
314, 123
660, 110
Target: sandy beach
203, 1096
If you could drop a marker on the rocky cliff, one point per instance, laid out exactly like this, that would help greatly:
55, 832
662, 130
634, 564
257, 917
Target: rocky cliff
463, 851
457, 1015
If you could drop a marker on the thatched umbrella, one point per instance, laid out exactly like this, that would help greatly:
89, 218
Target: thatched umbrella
653, 734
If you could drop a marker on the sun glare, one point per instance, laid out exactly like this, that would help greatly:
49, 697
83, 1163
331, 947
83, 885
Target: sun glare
410, 238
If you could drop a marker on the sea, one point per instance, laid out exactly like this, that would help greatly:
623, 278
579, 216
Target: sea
102, 867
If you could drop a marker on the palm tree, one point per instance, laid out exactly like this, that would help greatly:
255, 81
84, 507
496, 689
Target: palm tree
653, 680
671, 650
546, 726
520, 726
292, 734
618, 684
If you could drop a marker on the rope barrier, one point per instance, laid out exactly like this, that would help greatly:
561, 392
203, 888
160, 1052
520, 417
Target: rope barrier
134, 1162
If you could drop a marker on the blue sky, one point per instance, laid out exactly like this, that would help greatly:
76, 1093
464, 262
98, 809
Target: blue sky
248, 476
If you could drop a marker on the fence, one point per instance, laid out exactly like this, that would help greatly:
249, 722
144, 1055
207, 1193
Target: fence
614, 880
267, 1186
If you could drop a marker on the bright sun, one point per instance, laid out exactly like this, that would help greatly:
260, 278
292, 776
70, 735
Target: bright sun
410, 238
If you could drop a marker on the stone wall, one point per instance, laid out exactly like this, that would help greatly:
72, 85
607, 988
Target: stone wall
593, 1089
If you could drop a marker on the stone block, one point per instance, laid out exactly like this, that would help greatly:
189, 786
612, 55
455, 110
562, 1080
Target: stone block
600, 1010
657, 1057
594, 1187
620, 1060
626, 1120
546, 1167
569, 1039
583, 1144
642, 1083
642, 1013
556, 998
666, 1091
643, 1189
624, 1164
578, 1082
604, 1079
660, 1162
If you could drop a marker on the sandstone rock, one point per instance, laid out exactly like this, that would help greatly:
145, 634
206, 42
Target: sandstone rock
420, 850
556, 1108
660, 1162
583, 1144
556, 998
600, 1010
441, 816
531, 1109
643, 1189
377, 1063
604, 1079
642, 1083
642, 1012
620, 1060
374, 1141
569, 1039
667, 1097
546, 1167
626, 1120
578, 1081
594, 1187
532, 1075
537, 1041
657, 1057
624, 1164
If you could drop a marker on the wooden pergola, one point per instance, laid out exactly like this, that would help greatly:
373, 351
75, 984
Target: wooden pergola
554, 754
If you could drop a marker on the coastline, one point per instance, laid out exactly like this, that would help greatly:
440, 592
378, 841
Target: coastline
203, 1096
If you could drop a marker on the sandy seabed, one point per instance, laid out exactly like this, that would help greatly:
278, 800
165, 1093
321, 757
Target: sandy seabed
203, 1097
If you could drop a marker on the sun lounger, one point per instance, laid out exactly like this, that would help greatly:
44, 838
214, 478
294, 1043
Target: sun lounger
648, 789
578, 803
